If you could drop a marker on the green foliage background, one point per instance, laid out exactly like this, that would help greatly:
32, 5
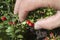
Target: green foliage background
17, 31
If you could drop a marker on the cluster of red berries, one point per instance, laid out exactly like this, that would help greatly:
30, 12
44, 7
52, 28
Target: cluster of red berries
28, 22
3, 18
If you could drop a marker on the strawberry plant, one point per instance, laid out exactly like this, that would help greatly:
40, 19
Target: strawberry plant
12, 29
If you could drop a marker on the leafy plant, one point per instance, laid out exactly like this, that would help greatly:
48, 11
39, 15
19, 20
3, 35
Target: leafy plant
12, 29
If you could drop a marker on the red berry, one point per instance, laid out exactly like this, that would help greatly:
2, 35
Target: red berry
28, 21
3, 18
14, 23
10, 23
31, 24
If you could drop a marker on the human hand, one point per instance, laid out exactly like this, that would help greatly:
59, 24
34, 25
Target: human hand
22, 7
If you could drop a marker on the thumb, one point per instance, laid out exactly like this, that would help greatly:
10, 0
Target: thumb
49, 23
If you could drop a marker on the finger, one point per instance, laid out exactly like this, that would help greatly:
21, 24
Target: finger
16, 8
49, 23
46, 3
22, 15
56, 4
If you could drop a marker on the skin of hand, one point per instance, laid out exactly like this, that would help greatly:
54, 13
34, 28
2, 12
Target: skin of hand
22, 7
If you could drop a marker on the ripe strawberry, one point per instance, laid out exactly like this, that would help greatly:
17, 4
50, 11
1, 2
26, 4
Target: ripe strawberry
3, 18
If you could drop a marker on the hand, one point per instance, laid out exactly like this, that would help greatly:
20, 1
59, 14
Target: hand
22, 7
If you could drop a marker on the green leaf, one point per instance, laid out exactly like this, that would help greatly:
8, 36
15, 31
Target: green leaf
0, 38
47, 14
10, 29
18, 30
23, 23
1, 25
20, 36
21, 39
23, 31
